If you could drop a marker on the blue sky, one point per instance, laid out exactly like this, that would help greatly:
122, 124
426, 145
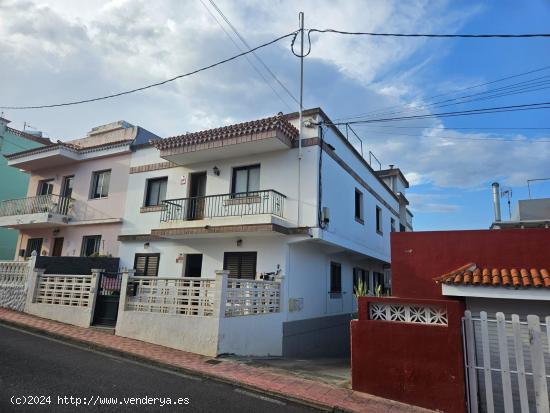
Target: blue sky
63, 50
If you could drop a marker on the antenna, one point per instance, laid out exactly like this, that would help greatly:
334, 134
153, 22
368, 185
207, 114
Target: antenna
507, 193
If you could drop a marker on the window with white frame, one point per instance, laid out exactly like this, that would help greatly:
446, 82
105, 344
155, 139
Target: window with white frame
246, 179
100, 184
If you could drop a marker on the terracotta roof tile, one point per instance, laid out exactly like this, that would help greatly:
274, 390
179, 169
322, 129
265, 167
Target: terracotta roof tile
231, 131
470, 274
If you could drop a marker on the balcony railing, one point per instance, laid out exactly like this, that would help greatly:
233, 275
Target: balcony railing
37, 204
226, 205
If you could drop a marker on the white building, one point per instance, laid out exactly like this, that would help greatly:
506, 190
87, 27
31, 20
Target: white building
245, 198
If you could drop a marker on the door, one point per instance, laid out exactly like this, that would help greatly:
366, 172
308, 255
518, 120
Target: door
193, 265
335, 302
197, 191
107, 300
66, 193
57, 247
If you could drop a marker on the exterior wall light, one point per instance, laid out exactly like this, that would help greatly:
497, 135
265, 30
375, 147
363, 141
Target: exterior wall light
239, 242
216, 170
146, 245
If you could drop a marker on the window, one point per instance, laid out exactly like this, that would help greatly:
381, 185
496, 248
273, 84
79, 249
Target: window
246, 179
377, 286
90, 245
362, 275
146, 265
379, 220
358, 205
100, 184
156, 191
402, 228
240, 264
33, 244
193, 265
392, 225
335, 280
45, 187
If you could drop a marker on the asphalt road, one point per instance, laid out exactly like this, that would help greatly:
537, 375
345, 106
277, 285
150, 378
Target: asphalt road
37, 366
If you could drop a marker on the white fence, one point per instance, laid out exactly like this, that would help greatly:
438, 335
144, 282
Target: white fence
199, 297
507, 363
71, 290
249, 297
13, 283
185, 296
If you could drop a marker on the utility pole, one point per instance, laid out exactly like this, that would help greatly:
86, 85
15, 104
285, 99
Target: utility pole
300, 117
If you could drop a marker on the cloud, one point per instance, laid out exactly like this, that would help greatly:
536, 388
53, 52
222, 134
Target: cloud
431, 203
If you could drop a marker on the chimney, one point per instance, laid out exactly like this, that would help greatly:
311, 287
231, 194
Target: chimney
496, 201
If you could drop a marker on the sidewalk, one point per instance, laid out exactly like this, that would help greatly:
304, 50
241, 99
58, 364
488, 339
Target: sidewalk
261, 379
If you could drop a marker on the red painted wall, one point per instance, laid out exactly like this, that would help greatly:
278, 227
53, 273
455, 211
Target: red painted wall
418, 257
412, 363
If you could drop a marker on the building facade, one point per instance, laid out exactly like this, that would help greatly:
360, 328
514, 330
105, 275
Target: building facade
246, 198
14, 183
76, 193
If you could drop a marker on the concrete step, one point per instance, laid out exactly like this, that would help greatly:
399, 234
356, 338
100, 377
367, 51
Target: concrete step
104, 329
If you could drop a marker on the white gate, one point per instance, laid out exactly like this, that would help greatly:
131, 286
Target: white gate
507, 363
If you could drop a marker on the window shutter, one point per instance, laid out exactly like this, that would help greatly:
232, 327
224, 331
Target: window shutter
146, 265
240, 264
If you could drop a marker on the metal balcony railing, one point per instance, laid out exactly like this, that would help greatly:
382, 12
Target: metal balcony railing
226, 205
41, 203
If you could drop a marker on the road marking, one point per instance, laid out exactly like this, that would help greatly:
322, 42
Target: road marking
259, 396
105, 354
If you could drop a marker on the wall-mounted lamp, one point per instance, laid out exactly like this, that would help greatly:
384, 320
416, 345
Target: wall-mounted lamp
56, 232
216, 170
146, 245
239, 242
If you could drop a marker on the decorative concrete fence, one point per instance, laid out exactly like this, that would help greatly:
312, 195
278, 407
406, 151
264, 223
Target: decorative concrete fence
14, 276
66, 298
202, 315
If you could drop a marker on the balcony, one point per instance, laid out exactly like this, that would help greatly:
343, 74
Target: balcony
35, 212
227, 213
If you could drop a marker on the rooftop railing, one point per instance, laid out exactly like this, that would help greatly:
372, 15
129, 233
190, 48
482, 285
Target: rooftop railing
37, 204
226, 205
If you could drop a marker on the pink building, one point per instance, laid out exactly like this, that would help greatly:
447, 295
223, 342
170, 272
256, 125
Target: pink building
76, 195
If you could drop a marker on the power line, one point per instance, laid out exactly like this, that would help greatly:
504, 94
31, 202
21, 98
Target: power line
247, 57
513, 108
243, 40
466, 36
534, 85
202, 69
378, 111
468, 138
460, 128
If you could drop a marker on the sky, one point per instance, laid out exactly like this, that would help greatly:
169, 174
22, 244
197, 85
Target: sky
55, 51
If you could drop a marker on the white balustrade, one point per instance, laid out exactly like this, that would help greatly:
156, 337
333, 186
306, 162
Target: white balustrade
250, 297
70, 290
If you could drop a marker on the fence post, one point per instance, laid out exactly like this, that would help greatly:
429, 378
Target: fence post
537, 361
126, 274
280, 279
34, 279
96, 277
220, 293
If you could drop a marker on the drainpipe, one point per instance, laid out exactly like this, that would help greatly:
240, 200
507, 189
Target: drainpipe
496, 201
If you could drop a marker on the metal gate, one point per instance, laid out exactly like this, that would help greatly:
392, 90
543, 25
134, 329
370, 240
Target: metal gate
108, 296
507, 363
